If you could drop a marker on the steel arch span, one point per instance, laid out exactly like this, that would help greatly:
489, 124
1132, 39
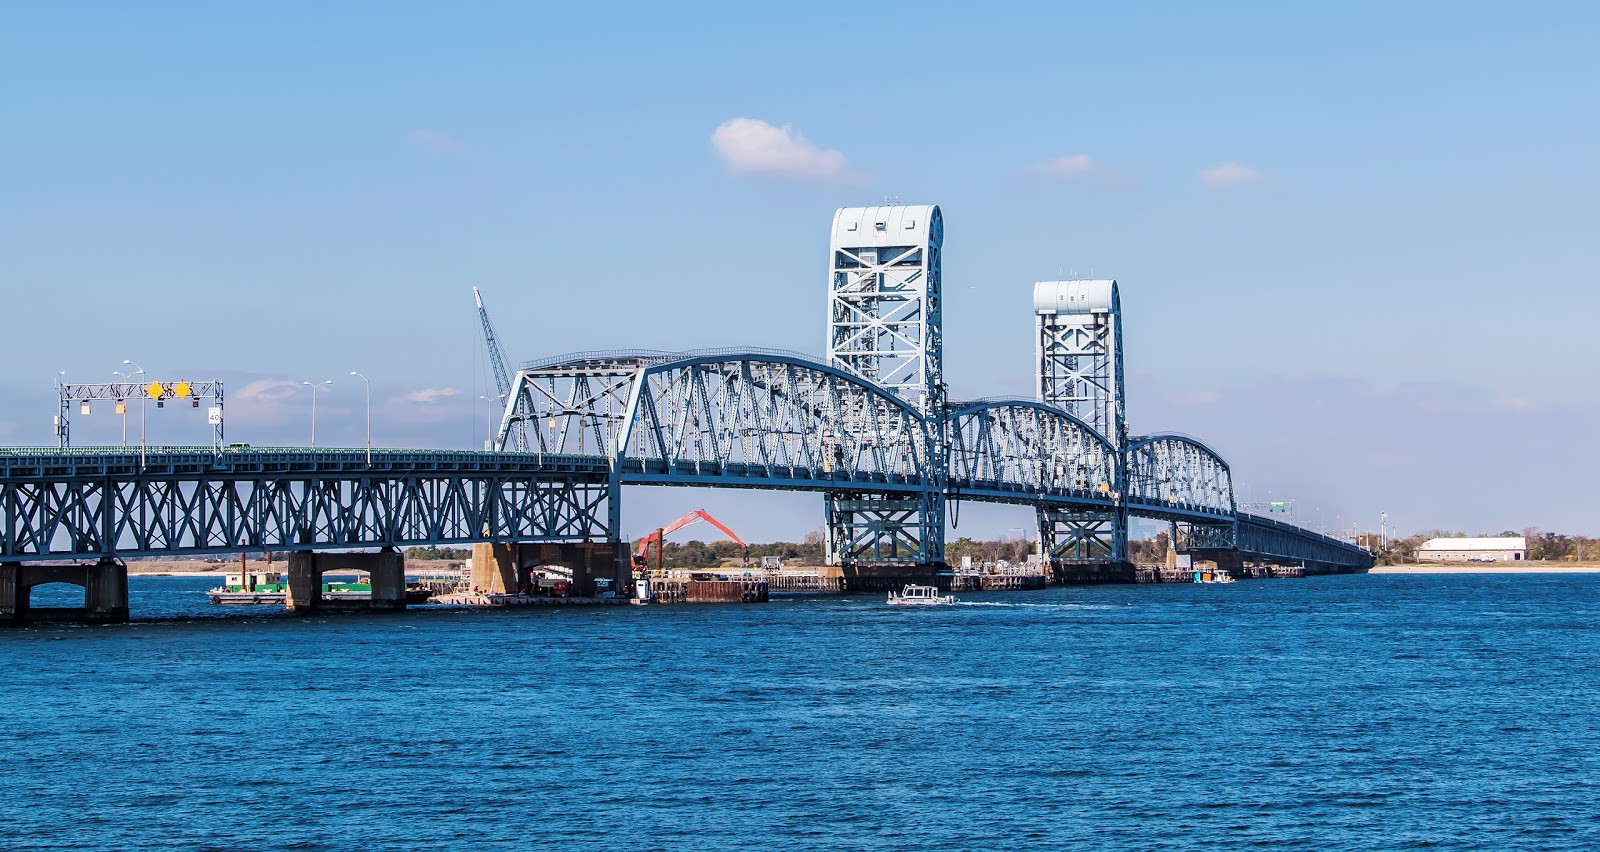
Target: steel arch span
1021, 451
729, 418
1175, 477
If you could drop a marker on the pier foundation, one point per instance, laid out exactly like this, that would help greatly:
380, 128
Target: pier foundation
505, 569
105, 592
386, 568
882, 577
1075, 572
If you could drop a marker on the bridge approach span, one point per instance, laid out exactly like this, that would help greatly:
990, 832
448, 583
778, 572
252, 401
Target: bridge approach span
85, 503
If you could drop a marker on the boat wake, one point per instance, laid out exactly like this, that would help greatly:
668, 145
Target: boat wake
1008, 604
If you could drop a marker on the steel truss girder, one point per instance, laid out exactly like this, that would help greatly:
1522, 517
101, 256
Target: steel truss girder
1000, 448
191, 501
885, 320
1176, 476
1083, 534
1079, 367
1267, 539
1188, 535
866, 528
727, 418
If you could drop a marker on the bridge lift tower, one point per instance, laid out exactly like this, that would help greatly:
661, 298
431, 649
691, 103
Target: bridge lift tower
884, 324
1078, 356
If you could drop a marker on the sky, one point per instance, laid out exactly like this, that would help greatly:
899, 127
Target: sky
1355, 241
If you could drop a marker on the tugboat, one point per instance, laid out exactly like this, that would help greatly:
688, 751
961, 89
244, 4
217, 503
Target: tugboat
920, 596
250, 588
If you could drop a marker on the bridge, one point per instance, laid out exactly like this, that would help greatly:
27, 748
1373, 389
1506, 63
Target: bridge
870, 426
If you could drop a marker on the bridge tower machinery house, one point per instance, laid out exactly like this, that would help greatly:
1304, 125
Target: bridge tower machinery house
885, 326
1078, 367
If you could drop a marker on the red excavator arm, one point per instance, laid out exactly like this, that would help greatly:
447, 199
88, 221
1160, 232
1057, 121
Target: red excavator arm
690, 519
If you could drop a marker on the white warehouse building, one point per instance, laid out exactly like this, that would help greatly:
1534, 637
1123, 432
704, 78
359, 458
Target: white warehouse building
1496, 549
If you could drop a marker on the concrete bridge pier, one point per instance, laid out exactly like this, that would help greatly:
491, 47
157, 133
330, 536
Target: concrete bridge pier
1068, 572
105, 592
507, 568
884, 577
386, 568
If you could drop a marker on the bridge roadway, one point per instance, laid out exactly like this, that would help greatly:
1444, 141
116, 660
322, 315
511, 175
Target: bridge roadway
123, 503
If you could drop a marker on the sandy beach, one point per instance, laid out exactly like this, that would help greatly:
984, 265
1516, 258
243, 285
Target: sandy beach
1492, 568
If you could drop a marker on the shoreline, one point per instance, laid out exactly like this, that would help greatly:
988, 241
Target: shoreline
1509, 568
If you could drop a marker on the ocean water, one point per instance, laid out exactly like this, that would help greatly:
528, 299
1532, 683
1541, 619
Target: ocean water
1361, 712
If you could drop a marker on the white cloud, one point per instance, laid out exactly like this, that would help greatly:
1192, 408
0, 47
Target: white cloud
435, 140
1227, 175
429, 396
752, 146
268, 390
1080, 167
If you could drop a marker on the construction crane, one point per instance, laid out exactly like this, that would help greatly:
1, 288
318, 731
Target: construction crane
641, 557
502, 378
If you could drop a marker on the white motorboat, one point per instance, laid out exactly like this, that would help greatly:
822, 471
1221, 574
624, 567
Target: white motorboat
920, 596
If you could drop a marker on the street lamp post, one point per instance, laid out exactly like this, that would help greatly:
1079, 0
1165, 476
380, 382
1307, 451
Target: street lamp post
122, 404
314, 388
488, 422
137, 371
369, 414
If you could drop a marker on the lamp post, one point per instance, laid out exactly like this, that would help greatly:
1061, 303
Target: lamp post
488, 422
369, 414
137, 371
314, 388
122, 404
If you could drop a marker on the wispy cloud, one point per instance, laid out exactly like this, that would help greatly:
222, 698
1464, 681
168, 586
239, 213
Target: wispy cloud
435, 140
750, 146
1229, 175
431, 396
268, 390
1080, 168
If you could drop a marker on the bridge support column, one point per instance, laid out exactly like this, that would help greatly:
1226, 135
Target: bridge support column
105, 592
104, 584
386, 570
884, 541
1083, 535
13, 599
503, 569
494, 568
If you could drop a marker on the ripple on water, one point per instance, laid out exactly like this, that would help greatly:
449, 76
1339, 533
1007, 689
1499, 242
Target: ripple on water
1330, 713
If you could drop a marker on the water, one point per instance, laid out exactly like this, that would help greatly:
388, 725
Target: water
1332, 713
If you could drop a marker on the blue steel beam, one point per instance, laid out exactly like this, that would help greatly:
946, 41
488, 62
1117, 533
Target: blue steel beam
87, 504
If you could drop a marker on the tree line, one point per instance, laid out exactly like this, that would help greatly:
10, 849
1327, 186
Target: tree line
1542, 546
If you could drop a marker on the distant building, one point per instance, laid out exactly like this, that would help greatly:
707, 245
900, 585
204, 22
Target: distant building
1498, 549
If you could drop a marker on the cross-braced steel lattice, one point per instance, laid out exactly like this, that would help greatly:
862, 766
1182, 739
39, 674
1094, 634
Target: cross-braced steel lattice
752, 419
885, 325
1177, 477
1024, 451
83, 396
112, 503
1078, 369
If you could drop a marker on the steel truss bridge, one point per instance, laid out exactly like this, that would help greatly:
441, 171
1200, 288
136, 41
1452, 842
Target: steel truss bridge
870, 427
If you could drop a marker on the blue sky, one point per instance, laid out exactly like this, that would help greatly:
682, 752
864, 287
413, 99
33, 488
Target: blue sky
1355, 242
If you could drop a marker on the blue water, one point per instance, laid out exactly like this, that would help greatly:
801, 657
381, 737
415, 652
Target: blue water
1329, 713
